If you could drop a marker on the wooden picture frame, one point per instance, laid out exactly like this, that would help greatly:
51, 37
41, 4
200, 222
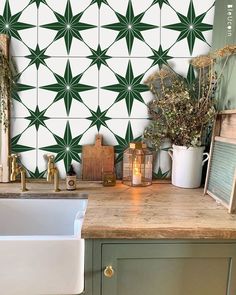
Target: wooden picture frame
221, 171
5, 132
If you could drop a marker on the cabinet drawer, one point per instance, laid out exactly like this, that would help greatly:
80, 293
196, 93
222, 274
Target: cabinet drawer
169, 269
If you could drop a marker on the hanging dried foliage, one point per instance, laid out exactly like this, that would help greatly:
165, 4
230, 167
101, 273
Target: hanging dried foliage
6, 83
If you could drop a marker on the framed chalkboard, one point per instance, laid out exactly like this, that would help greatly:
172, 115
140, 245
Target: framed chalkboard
221, 173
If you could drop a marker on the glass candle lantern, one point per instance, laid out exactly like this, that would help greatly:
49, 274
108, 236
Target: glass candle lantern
137, 165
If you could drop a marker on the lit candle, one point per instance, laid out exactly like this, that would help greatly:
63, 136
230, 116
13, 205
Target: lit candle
137, 176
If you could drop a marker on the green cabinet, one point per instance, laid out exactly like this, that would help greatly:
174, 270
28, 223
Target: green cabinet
163, 268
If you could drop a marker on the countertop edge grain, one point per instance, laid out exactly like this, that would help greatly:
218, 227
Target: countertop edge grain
160, 234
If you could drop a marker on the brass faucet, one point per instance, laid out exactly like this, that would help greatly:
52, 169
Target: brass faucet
52, 172
17, 169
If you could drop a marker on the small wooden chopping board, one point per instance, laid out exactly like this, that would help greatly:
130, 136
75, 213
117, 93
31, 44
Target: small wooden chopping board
96, 159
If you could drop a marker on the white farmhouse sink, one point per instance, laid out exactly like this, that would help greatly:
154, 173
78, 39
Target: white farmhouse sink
41, 250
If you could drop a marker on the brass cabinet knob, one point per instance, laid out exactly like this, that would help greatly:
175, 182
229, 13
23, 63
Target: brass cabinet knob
108, 271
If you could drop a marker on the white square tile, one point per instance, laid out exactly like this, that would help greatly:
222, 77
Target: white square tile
29, 101
77, 46
108, 96
89, 78
57, 127
150, 37
27, 138
169, 36
28, 15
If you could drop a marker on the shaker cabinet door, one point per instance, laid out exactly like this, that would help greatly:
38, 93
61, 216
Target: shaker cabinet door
168, 269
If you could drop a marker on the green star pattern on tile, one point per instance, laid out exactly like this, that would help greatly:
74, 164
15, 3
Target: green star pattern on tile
68, 26
37, 2
190, 75
37, 118
128, 88
99, 2
99, 57
160, 174
68, 87
36, 174
18, 88
161, 2
9, 24
67, 148
123, 143
190, 27
130, 26
98, 118
19, 148
160, 57
37, 56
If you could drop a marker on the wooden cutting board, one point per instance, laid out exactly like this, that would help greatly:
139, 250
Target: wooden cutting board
96, 159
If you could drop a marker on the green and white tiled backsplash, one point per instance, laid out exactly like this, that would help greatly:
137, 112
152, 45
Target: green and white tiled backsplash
82, 64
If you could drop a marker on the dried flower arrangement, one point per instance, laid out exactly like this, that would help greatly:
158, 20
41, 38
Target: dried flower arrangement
6, 82
182, 111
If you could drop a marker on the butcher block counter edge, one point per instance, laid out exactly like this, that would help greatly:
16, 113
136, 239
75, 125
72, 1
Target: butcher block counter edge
160, 211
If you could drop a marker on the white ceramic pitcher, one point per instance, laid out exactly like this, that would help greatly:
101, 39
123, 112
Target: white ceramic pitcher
187, 165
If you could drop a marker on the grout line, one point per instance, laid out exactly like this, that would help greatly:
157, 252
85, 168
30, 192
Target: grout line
99, 41
79, 118
37, 93
160, 26
82, 57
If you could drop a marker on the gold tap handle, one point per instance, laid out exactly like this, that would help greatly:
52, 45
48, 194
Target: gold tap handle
50, 161
109, 271
17, 168
13, 166
49, 157
13, 160
56, 180
13, 157
23, 180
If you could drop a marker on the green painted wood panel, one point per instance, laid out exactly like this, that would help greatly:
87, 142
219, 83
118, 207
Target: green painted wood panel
224, 32
169, 269
222, 169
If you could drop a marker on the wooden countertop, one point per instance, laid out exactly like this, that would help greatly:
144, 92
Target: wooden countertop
160, 211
